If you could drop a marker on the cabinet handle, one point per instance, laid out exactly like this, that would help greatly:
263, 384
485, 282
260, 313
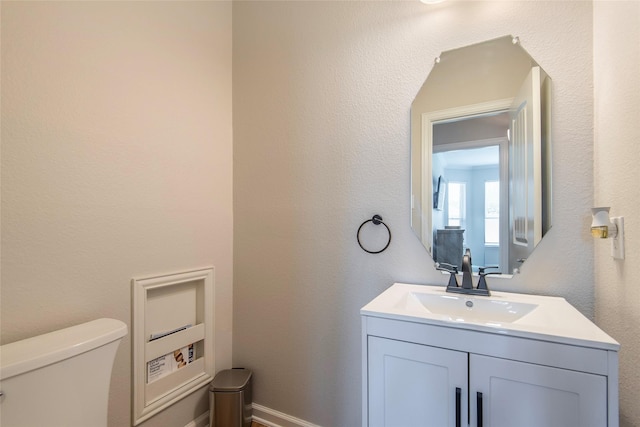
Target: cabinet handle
479, 409
458, 397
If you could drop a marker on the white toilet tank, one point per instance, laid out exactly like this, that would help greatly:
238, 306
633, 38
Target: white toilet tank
60, 379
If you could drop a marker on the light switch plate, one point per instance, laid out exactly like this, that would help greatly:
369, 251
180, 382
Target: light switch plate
617, 243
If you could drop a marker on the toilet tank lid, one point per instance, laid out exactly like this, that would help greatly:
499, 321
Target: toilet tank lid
32, 353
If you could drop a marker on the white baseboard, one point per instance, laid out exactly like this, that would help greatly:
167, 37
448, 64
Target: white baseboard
263, 415
272, 418
201, 421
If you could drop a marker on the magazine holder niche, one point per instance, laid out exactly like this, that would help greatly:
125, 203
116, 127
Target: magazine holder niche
172, 339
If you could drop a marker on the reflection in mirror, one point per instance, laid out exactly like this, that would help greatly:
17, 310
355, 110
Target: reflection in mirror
481, 159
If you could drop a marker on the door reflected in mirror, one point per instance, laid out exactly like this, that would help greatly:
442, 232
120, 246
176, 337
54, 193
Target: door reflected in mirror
481, 159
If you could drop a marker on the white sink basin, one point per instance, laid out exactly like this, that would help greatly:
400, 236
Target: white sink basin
530, 316
460, 308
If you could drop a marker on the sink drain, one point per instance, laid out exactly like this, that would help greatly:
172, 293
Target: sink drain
469, 304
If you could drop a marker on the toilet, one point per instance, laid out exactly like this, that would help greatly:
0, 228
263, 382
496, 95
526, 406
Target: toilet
60, 379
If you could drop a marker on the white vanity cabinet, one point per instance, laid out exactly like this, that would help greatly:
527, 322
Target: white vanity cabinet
513, 393
428, 371
415, 385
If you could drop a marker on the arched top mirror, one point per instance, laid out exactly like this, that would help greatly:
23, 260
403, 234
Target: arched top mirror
481, 156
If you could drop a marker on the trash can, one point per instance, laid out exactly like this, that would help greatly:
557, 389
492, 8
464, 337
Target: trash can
230, 399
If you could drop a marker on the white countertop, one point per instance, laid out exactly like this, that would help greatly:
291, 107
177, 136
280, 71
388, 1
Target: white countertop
553, 318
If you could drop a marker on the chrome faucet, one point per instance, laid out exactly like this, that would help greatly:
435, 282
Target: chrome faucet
467, 278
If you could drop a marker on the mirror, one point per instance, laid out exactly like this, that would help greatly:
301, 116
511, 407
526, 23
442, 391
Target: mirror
481, 156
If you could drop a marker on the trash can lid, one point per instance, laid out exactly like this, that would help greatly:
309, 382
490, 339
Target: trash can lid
231, 380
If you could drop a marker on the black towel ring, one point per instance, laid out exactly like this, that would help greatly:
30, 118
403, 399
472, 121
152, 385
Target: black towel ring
377, 220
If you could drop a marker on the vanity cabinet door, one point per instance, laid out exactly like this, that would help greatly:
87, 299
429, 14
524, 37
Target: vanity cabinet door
521, 394
416, 385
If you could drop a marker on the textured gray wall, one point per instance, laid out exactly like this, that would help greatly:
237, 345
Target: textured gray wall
322, 92
616, 178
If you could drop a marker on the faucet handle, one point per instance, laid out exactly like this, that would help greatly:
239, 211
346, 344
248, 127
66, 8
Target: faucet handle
451, 269
481, 270
482, 282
